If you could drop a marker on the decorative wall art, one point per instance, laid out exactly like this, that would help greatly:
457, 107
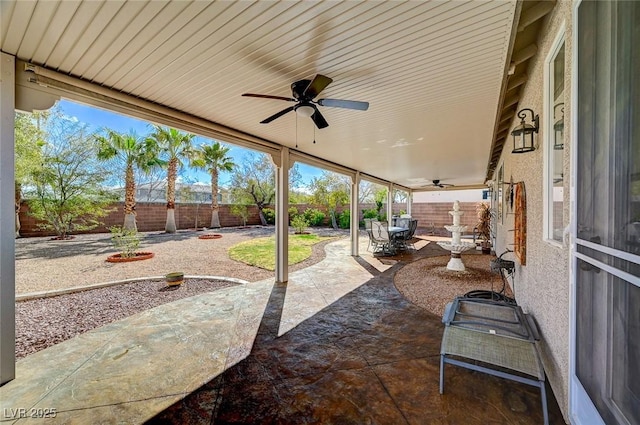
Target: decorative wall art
500, 192
510, 195
520, 229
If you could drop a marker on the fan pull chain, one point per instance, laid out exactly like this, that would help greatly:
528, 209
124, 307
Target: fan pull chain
314, 134
296, 131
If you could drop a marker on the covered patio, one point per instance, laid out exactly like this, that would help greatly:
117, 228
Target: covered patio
444, 82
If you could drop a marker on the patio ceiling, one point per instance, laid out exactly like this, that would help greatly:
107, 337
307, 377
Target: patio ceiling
433, 72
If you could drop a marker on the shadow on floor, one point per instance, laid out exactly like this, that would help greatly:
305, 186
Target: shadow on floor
370, 358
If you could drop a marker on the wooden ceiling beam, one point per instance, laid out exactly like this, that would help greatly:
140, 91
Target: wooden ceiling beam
524, 54
517, 81
510, 101
504, 127
506, 116
535, 13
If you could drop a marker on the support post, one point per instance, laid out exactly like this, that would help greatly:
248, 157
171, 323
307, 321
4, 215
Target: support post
7, 220
355, 225
410, 203
389, 202
282, 215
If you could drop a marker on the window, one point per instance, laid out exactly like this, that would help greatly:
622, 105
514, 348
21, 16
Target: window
554, 141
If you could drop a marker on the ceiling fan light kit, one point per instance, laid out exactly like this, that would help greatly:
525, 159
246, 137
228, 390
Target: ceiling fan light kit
304, 110
303, 92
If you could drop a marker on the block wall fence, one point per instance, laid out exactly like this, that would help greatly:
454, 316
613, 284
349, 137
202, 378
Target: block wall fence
152, 216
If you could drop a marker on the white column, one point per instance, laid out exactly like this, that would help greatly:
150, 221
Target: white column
7, 220
389, 202
282, 215
409, 202
355, 225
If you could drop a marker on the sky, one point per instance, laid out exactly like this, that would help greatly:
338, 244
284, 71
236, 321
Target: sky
98, 119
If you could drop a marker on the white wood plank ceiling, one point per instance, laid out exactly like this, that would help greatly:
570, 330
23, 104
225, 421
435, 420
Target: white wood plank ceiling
432, 71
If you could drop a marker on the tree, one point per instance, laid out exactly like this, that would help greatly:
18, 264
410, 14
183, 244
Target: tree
380, 197
241, 211
400, 196
332, 190
67, 191
366, 191
213, 159
154, 181
185, 194
254, 183
173, 146
29, 140
133, 152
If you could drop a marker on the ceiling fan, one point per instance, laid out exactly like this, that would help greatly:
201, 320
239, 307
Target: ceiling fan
437, 183
303, 92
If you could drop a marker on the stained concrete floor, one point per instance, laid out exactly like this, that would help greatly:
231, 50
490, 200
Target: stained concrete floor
370, 357
336, 345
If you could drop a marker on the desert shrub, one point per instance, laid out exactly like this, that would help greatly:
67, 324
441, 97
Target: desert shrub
299, 223
126, 241
293, 212
269, 215
372, 213
314, 216
242, 211
345, 219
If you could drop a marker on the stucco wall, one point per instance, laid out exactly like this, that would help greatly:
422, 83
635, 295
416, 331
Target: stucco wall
542, 286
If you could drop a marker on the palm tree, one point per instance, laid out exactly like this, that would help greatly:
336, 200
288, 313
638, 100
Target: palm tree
133, 151
174, 146
213, 159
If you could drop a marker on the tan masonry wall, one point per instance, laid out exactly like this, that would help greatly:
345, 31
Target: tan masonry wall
152, 216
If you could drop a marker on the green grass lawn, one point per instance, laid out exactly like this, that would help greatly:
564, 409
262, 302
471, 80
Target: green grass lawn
261, 252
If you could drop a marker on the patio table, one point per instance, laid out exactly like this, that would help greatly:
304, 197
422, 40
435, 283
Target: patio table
395, 229
394, 234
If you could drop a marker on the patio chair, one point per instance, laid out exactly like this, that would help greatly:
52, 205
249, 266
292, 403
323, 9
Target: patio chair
402, 240
367, 227
403, 222
496, 334
430, 229
408, 236
380, 238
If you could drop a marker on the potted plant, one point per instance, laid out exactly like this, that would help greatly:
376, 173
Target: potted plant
174, 278
483, 228
127, 241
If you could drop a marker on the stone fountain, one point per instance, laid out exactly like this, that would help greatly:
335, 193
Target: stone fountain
456, 246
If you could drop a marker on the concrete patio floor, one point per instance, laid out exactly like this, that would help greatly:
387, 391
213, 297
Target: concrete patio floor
337, 344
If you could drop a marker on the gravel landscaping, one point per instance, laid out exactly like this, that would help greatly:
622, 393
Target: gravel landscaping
428, 284
43, 322
43, 264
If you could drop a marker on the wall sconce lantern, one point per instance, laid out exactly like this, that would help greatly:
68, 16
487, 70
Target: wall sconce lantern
523, 134
558, 129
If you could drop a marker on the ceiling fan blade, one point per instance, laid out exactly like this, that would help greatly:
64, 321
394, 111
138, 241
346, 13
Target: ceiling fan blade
319, 120
278, 115
348, 104
268, 96
319, 83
